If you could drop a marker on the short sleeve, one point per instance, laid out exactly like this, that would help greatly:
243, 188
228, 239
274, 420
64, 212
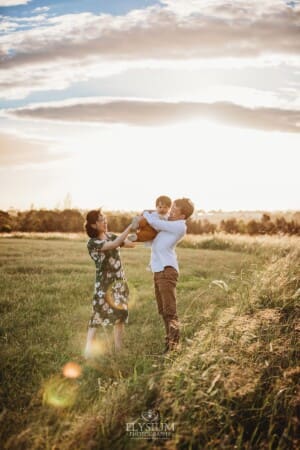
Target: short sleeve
112, 236
95, 244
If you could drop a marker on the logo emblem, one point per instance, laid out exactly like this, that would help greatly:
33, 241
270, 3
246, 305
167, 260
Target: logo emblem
152, 415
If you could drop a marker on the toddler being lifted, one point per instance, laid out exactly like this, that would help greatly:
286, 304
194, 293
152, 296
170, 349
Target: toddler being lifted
144, 232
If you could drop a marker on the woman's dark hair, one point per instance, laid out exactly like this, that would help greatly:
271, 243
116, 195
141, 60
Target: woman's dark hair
91, 219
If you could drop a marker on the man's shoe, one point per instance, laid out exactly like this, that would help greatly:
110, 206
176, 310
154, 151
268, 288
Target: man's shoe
174, 346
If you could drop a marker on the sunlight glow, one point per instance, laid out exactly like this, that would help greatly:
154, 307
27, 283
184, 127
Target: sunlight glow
215, 165
60, 392
126, 167
72, 370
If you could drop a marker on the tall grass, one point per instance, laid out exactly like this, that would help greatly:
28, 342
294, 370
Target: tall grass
265, 244
261, 245
238, 381
233, 383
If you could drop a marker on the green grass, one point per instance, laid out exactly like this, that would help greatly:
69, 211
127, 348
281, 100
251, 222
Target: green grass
233, 384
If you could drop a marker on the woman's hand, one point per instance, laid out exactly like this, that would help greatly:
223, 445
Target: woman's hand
128, 244
110, 245
135, 223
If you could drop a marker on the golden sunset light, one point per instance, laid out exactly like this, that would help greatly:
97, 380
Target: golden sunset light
149, 224
215, 113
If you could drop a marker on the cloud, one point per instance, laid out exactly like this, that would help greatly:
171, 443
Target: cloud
215, 30
183, 7
21, 151
14, 24
41, 9
157, 113
13, 2
7, 25
157, 33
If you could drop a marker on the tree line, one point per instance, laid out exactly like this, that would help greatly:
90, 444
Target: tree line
72, 221
265, 225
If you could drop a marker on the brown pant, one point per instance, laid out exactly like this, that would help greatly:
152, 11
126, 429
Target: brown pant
165, 293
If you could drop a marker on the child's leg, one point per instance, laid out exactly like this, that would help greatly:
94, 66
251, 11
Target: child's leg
118, 335
143, 231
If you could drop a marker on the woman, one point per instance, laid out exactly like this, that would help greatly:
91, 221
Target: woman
111, 290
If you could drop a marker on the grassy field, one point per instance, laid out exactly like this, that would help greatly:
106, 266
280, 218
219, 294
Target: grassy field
233, 383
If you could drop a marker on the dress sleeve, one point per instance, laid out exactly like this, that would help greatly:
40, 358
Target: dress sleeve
95, 244
112, 236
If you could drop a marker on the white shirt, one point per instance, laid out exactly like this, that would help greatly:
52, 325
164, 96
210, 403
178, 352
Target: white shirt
163, 245
157, 216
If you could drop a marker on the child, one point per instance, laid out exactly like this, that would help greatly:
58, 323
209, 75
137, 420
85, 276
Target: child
144, 232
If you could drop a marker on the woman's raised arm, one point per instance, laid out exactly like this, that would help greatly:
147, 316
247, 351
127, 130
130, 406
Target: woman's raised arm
118, 241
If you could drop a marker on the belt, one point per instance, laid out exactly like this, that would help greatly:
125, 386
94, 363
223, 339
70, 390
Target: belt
166, 267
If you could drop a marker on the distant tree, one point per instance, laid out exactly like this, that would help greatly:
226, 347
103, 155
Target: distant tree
208, 227
229, 226
252, 227
266, 225
265, 217
6, 222
242, 227
113, 222
200, 227
194, 226
296, 217
27, 221
281, 225
294, 227
71, 220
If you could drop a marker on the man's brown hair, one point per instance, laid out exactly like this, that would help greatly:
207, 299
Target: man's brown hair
186, 206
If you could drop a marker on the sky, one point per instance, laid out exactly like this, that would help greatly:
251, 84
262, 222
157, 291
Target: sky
113, 103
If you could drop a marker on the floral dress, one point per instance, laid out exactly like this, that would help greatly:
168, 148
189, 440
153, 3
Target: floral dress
111, 290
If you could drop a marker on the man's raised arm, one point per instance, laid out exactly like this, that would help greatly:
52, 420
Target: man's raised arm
163, 225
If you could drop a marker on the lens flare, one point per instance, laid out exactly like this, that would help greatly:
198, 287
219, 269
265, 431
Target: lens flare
99, 347
72, 370
133, 297
60, 392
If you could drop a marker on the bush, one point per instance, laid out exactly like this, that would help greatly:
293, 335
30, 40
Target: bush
5, 228
279, 285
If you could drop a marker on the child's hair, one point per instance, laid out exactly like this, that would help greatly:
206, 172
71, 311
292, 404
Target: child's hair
91, 219
186, 206
165, 200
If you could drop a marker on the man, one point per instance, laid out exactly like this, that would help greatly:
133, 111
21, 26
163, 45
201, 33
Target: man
164, 264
